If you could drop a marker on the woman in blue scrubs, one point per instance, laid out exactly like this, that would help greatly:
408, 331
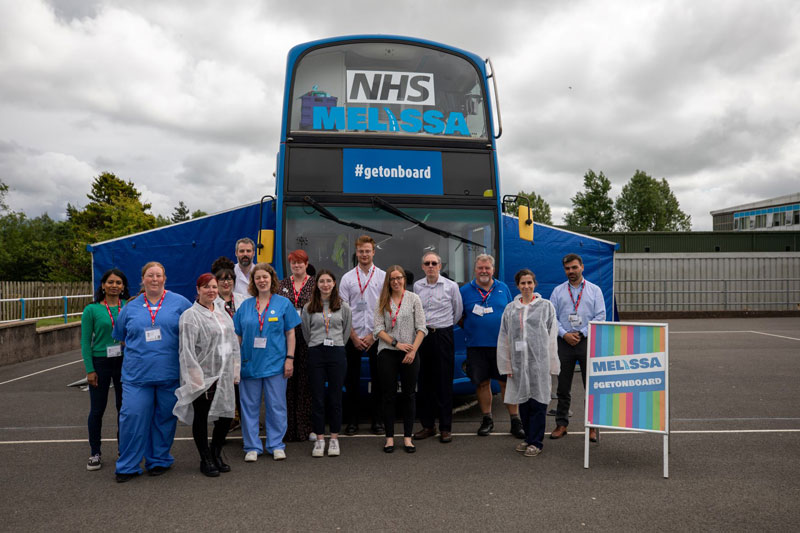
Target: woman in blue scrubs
148, 326
265, 326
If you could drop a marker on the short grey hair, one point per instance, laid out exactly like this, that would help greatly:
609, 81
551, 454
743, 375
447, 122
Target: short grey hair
483, 257
245, 240
431, 252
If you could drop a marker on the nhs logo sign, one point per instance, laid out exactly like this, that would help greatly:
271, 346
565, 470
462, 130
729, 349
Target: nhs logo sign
379, 87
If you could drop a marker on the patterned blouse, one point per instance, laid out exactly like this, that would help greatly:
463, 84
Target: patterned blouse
409, 320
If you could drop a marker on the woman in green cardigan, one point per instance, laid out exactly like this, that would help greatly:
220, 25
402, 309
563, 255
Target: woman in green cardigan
102, 355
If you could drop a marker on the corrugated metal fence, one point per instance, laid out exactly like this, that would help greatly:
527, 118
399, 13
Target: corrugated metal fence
13, 290
768, 281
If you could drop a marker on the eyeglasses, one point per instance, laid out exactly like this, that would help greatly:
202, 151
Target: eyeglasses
430, 263
401, 278
223, 280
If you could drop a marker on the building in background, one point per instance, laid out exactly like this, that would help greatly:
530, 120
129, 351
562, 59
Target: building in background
775, 214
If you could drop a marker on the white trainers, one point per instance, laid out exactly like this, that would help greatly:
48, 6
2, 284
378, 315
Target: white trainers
319, 448
279, 455
94, 462
532, 451
522, 447
251, 457
333, 448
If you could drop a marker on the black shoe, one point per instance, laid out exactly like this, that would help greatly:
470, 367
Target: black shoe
410, 449
216, 456
378, 429
207, 466
486, 426
516, 428
122, 478
388, 448
351, 429
158, 470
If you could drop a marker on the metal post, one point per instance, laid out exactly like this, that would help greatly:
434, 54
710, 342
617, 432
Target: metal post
725, 294
22, 300
65, 309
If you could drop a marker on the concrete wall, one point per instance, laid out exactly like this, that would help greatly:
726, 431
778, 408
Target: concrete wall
21, 341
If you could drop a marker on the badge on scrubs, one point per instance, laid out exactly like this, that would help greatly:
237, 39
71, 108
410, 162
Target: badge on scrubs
575, 320
115, 350
260, 342
152, 334
327, 342
519, 346
478, 310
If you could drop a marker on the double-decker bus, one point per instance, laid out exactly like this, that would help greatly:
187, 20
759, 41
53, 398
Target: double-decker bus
391, 137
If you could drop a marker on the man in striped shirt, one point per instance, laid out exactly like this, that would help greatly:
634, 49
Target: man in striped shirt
441, 301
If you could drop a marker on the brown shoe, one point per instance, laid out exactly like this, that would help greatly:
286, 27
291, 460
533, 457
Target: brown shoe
593, 436
445, 436
559, 432
424, 433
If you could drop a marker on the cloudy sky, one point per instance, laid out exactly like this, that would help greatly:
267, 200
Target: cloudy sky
183, 98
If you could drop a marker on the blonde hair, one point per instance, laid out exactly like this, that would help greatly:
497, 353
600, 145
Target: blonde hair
386, 292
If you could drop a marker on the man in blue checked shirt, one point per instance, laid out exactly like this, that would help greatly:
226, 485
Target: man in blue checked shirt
577, 302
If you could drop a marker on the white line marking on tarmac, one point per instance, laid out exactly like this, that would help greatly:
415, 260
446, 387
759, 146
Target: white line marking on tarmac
41, 371
737, 331
773, 335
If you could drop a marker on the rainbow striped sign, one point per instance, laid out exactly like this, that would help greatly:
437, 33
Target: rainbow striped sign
627, 378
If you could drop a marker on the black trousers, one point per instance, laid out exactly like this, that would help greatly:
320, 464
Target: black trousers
326, 363
436, 355
390, 364
568, 355
202, 404
354, 405
108, 369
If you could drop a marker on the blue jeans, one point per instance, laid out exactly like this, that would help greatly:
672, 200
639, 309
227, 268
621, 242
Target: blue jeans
108, 369
534, 418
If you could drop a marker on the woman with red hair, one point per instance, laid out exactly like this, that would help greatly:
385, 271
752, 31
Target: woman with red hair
298, 288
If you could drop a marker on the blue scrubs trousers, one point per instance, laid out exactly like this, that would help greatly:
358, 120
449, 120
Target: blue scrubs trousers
251, 390
146, 426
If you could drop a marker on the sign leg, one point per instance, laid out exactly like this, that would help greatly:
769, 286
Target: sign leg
586, 448
666, 456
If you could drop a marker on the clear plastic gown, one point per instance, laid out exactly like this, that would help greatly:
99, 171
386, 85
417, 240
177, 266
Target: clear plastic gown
209, 352
527, 350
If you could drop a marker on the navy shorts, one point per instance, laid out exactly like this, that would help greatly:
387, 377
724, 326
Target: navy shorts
482, 364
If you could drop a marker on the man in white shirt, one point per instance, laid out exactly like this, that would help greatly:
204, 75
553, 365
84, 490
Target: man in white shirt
577, 302
361, 288
441, 301
245, 251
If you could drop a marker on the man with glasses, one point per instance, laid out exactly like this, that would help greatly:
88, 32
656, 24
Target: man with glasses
360, 288
245, 252
441, 301
484, 300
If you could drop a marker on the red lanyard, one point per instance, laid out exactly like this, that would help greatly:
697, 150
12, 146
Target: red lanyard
154, 315
297, 293
394, 318
119, 308
484, 296
262, 314
358, 277
574, 303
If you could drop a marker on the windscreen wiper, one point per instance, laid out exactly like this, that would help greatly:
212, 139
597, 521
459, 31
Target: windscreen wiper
324, 213
389, 208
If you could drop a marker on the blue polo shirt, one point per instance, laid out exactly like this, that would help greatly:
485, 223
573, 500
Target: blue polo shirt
483, 330
278, 319
156, 361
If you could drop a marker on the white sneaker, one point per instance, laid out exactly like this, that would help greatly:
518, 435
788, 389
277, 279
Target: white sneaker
333, 448
532, 451
279, 455
251, 457
94, 462
312, 437
319, 448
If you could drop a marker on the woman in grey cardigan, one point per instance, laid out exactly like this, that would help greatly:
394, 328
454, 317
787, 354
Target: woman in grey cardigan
399, 328
326, 323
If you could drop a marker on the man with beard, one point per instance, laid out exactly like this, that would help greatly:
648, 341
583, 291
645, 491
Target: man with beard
245, 251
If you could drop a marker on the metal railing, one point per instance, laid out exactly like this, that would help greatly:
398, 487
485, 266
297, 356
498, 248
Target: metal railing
66, 299
777, 294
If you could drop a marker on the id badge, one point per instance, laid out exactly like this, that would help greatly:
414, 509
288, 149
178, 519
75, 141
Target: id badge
478, 310
361, 305
260, 342
487, 310
115, 350
575, 320
519, 346
327, 342
300, 313
152, 334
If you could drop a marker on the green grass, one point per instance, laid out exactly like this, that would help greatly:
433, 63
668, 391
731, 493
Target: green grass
56, 321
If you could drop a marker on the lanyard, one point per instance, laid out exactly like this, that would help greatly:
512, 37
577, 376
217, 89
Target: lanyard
262, 314
119, 308
149, 305
394, 318
326, 317
484, 296
297, 293
574, 303
358, 277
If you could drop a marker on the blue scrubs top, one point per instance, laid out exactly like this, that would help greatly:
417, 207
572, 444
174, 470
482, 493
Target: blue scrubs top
279, 318
483, 330
155, 361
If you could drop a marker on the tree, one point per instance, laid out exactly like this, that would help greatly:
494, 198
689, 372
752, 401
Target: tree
198, 213
28, 245
181, 213
540, 208
647, 204
592, 207
3, 193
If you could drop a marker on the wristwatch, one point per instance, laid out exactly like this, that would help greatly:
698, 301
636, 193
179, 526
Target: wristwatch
394, 343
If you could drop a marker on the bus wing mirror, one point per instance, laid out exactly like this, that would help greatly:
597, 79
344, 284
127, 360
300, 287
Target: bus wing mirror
266, 245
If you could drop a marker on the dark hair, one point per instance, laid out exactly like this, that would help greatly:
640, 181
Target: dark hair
274, 281
569, 258
524, 272
315, 304
386, 293
100, 294
221, 263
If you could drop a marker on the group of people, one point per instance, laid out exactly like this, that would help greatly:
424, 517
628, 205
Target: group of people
296, 345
